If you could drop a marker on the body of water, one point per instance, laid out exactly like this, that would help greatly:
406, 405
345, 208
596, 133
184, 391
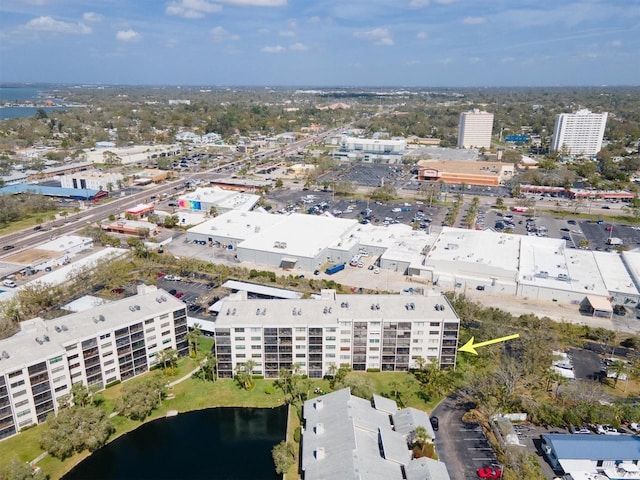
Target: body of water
218, 443
21, 95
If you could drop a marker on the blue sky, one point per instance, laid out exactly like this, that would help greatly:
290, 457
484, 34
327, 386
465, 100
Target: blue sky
322, 42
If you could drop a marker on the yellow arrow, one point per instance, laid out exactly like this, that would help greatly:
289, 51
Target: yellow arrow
471, 347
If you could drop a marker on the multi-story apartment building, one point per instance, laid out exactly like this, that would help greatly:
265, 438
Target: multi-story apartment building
475, 129
110, 342
386, 332
581, 133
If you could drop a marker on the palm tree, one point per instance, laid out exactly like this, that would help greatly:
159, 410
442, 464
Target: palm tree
618, 369
421, 436
162, 357
197, 332
209, 367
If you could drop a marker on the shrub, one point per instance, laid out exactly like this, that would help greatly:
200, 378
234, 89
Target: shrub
373, 370
297, 434
268, 390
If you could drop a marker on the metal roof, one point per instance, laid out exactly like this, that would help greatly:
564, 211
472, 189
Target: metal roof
594, 447
78, 193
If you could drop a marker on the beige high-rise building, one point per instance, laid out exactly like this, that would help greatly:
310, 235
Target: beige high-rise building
475, 129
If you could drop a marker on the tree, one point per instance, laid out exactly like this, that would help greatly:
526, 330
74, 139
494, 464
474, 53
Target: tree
244, 376
283, 456
139, 399
421, 436
193, 337
279, 183
171, 221
213, 211
74, 430
208, 368
18, 470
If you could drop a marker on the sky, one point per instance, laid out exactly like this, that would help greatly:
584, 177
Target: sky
400, 43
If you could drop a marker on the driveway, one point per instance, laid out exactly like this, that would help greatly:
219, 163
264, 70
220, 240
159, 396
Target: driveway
462, 446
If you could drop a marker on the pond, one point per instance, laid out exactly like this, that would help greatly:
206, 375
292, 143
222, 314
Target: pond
218, 443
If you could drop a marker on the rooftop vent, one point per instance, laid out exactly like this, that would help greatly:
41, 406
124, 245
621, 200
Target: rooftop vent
294, 312
57, 328
5, 354
319, 453
64, 327
319, 428
102, 319
318, 404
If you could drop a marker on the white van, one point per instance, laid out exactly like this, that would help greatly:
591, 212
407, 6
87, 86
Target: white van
9, 283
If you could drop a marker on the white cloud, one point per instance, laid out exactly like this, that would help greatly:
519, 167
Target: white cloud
446, 2
36, 2
419, 3
299, 47
287, 33
615, 43
192, 8
274, 49
422, 36
474, 20
315, 19
128, 36
475, 60
48, 24
91, 17
508, 60
219, 34
379, 36
446, 61
263, 31
256, 3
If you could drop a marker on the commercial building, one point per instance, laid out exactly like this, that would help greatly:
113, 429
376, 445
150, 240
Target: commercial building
350, 438
202, 199
92, 180
110, 342
57, 192
475, 129
491, 174
580, 133
591, 456
385, 332
370, 149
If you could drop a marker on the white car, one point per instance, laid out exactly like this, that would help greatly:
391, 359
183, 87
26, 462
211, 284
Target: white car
376, 271
606, 430
635, 427
174, 278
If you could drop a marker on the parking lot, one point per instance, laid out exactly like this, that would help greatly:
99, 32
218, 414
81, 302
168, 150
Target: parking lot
367, 174
189, 292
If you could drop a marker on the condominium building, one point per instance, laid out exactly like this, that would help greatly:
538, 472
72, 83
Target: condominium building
579, 133
351, 438
475, 129
112, 342
385, 332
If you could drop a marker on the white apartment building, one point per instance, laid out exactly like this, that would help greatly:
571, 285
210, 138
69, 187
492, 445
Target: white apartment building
581, 132
475, 129
110, 342
385, 332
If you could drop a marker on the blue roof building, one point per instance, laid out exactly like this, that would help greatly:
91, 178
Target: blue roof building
60, 192
590, 453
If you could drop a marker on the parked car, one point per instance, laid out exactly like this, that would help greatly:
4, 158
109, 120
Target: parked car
580, 430
490, 473
435, 423
179, 295
173, 291
8, 247
480, 287
606, 430
175, 278
635, 427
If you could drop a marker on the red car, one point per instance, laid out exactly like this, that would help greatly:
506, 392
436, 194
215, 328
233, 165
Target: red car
490, 473
179, 294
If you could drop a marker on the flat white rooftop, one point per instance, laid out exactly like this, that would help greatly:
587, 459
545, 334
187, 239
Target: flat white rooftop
299, 235
62, 244
223, 199
614, 273
477, 252
237, 225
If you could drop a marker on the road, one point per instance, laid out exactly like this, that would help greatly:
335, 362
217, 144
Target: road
461, 445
